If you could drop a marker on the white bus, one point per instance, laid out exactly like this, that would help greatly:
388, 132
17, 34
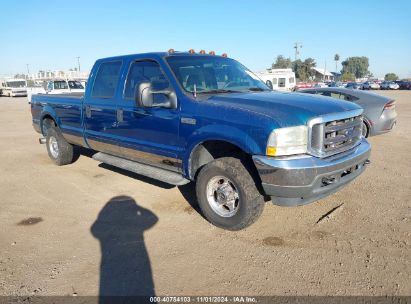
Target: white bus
13, 87
278, 79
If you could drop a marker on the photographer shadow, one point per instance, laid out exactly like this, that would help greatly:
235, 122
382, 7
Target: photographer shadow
125, 265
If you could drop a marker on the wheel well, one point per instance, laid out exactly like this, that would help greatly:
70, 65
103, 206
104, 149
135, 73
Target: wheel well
46, 123
367, 124
211, 150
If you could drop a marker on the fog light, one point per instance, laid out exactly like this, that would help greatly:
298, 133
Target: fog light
328, 180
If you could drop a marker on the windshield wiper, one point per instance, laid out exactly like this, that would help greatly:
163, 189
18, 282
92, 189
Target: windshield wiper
255, 89
217, 91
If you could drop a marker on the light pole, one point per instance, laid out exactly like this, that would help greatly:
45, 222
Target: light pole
78, 63
28, 70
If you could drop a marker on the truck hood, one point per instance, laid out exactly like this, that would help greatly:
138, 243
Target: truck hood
287, 109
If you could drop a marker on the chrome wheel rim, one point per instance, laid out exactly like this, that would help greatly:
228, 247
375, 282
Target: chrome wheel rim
54, 147
222, 196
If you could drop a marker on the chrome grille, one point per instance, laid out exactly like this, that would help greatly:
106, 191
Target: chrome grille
335, 136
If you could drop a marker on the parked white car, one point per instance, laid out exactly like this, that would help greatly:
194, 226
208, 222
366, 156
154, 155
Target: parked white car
370, 85
54, 87
389, 85
64, 86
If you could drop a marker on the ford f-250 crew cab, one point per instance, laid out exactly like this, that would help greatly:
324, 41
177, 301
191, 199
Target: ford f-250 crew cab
181, 117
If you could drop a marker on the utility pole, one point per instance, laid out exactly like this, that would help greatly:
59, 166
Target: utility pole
78, 63
297, 47
28, 70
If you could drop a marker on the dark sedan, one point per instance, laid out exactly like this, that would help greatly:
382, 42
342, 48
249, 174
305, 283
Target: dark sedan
404, 85
353, 85
379, 111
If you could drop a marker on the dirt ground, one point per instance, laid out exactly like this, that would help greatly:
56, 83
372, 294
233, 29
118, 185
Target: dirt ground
88, 229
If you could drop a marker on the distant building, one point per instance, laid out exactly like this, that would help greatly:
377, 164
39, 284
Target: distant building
58, 74
336, 75
323, 74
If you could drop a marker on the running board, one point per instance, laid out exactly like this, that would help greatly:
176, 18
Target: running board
163, 175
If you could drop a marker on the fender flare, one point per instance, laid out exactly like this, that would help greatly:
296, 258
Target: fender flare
48, 111
242, 140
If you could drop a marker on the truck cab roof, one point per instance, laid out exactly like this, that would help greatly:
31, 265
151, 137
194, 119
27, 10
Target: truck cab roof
155, 55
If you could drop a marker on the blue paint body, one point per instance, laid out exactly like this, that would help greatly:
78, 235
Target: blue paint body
243, 119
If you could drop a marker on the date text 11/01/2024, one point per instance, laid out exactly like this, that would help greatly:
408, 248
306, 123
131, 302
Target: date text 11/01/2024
203, 299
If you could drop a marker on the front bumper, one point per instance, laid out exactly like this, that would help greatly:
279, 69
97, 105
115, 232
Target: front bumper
18, 94
293, 181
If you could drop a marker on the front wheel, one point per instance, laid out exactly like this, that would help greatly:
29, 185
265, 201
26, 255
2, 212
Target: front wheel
227, 194
59, 150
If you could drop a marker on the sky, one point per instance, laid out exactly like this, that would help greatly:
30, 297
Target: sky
50, 35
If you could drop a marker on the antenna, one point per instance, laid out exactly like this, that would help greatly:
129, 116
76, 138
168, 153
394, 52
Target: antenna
297, 46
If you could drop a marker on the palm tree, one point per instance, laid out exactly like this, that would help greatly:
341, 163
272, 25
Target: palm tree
336, 59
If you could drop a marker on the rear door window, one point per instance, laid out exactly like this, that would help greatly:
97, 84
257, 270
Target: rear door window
106, 80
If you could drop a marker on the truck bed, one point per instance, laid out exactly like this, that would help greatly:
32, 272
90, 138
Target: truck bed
66, 107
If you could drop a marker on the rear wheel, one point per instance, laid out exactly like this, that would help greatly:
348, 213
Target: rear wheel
227, 194
59, 150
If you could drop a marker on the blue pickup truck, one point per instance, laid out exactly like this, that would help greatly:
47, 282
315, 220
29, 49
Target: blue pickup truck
182, 117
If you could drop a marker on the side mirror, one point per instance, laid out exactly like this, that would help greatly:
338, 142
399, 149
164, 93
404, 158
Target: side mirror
143, 95
155, 94
269, 84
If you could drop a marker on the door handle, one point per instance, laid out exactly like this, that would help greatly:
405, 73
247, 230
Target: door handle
120, 115
88, 111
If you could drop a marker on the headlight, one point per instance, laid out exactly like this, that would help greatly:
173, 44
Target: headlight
287, 141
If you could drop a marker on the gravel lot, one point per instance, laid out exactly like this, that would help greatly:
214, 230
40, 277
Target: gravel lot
89, 229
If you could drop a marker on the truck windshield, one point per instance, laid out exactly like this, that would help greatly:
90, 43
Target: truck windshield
212, 74
75, 84
16, 84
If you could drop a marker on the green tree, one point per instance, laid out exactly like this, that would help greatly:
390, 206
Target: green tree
356, 65
282, 63
304, 69
347, 76
336, 59
391, 76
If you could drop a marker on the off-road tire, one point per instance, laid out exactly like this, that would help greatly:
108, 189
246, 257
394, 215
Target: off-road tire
251, 202
67, 153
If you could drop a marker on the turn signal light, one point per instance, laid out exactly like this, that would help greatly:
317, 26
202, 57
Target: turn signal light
271, 151
390, 105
